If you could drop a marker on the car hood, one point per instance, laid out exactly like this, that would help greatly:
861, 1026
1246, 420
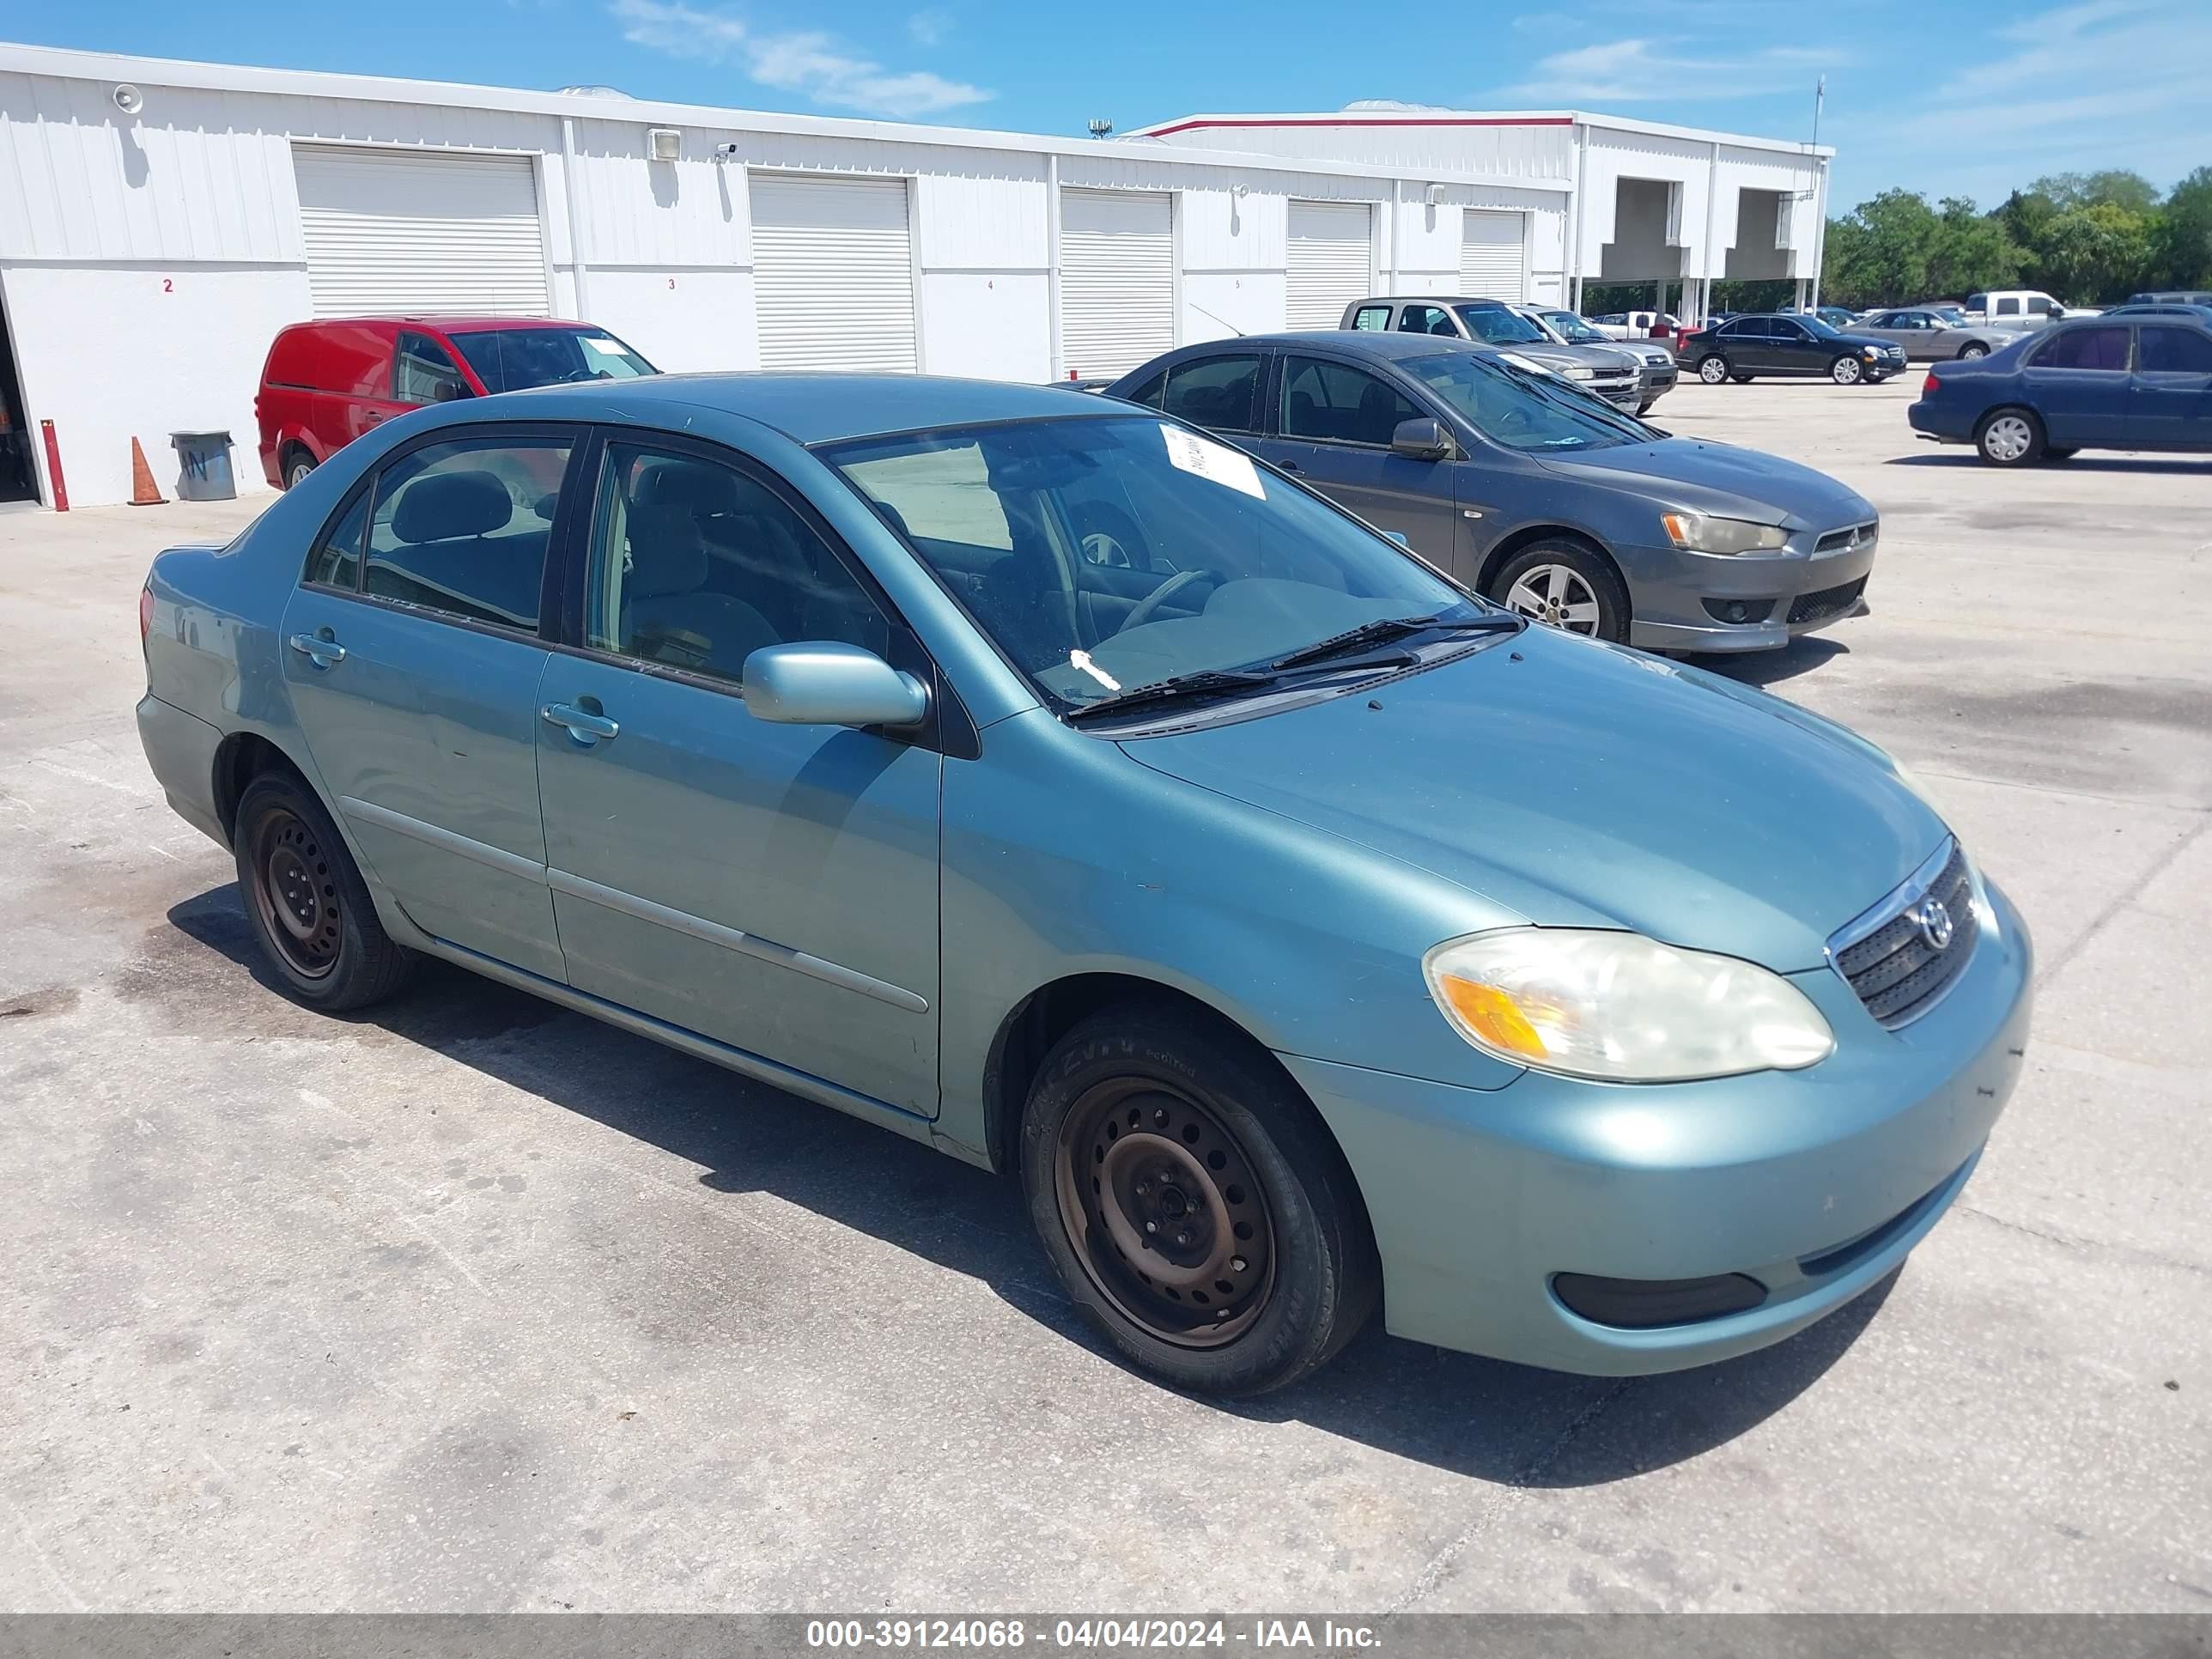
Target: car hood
1585, 785
1714, 478
1862, 342
1560, 357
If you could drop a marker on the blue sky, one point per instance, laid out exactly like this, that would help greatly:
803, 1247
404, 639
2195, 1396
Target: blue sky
1929, 94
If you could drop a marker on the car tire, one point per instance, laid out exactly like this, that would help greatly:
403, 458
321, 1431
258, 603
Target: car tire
1644, 409
1551, 581
297, 465
306, 903
1149, 1116
1741, 379
2010, 437
1973, 349
1712, 370
1846, 371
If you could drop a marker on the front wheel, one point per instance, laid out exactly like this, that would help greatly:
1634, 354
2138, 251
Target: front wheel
2010, 437
1646, 408
306, 903
1845, 371
1713, 370
1194, 1204
1565, 584
1973, 349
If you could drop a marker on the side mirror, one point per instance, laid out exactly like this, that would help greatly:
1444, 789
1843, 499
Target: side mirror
823, 682
1424, 439
449, 392
2056, 312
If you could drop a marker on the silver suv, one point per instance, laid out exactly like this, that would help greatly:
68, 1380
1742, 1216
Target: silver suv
1568, 328
1612, 372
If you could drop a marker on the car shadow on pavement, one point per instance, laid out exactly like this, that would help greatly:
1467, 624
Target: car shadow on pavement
1512, 1425
1801, 656
2182, 465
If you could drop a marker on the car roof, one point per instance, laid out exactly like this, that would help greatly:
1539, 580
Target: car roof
822, 407
1363, 342
1433, 300
449, 325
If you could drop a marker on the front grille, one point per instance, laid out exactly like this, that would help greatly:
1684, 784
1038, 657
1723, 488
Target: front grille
1828, 602
1842, 541
1891, 959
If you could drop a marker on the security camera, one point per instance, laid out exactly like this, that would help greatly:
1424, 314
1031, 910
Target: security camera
725, 152
128, 99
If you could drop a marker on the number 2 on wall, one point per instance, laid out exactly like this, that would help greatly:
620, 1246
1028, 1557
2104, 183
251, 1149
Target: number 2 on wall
169, 285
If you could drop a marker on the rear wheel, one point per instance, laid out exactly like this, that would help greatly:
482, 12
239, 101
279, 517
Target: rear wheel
1566, 586
1845, 371
1972, 348
2010, 437
1194, 1204
306, 902
298, 463
1713, 370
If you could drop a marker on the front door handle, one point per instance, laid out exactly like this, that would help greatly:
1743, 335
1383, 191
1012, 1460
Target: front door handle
1288, 466
585, 727
325, 652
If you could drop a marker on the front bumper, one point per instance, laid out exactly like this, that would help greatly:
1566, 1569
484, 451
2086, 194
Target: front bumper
1658, 381
1681, 601
1816, 1183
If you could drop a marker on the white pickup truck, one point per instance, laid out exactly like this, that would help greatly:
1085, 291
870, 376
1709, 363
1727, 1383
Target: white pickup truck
2018, 308
1636, 325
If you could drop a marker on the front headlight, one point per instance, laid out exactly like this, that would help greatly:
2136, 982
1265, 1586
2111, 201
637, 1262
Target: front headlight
1620, 1007
1696, 532
1577, 372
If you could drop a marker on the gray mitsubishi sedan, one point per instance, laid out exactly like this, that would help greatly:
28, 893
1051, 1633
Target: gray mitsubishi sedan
1530, 492
1045, 780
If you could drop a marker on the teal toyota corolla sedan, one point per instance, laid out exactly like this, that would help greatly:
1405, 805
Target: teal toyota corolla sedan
1045, 780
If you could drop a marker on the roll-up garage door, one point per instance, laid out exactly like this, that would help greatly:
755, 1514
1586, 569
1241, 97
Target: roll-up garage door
1331, 260
833, 273
1116, 279
389, 231
1494, 258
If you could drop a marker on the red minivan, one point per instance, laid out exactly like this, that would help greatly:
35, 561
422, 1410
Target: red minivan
327, 382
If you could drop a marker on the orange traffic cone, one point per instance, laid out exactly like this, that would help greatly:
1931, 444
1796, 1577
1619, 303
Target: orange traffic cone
142, 491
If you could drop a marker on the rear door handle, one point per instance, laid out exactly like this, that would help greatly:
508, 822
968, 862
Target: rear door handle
1288, 466
325, 653
582, 724
372, 417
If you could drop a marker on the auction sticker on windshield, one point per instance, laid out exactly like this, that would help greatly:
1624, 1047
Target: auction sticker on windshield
1217, 462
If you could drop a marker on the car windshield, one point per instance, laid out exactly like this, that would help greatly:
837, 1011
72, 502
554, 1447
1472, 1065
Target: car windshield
1573, 330
1497, 327
1820, 329
513, 359
1105, 554
1523, 407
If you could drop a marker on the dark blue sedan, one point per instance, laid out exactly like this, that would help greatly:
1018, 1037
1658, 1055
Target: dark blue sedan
2112, 382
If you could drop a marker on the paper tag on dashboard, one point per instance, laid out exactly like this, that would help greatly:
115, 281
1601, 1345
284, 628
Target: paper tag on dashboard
1217, 462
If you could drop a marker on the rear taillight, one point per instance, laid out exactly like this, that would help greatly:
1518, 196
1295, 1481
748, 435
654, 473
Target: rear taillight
1930, 386
145, 614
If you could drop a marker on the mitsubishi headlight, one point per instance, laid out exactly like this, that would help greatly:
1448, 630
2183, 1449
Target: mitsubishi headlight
1620, 1007
1697, 532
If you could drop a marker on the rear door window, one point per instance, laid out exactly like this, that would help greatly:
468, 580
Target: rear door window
1221, 393
2101, 349
1376, 317
461, 527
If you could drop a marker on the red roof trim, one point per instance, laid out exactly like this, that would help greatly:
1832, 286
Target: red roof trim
1387, 121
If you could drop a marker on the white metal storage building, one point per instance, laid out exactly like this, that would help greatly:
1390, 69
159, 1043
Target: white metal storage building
160, 220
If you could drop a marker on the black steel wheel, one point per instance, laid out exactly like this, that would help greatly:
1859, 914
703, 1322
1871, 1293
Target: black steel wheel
305, 901
1192, 1202
1175, 1225
296, 892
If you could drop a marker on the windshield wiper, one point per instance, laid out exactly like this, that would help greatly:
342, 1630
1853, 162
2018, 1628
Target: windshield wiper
1201, 683
1395, 628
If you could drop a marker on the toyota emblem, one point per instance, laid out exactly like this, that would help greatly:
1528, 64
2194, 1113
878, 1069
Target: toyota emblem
1933, 918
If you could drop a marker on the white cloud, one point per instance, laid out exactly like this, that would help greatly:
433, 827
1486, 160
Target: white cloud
810, 63
929, 27
1641, 70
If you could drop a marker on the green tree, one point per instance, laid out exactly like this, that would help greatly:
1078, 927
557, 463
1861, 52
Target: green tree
2093, 254
2185, 234
1879, 252
1973, 251
2113, 187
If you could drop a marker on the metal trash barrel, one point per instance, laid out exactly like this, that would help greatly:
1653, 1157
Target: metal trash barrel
204, 460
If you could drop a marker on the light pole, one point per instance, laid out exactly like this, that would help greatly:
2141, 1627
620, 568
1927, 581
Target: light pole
1819, 195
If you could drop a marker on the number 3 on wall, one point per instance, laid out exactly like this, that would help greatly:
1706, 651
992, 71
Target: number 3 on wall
671, 282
